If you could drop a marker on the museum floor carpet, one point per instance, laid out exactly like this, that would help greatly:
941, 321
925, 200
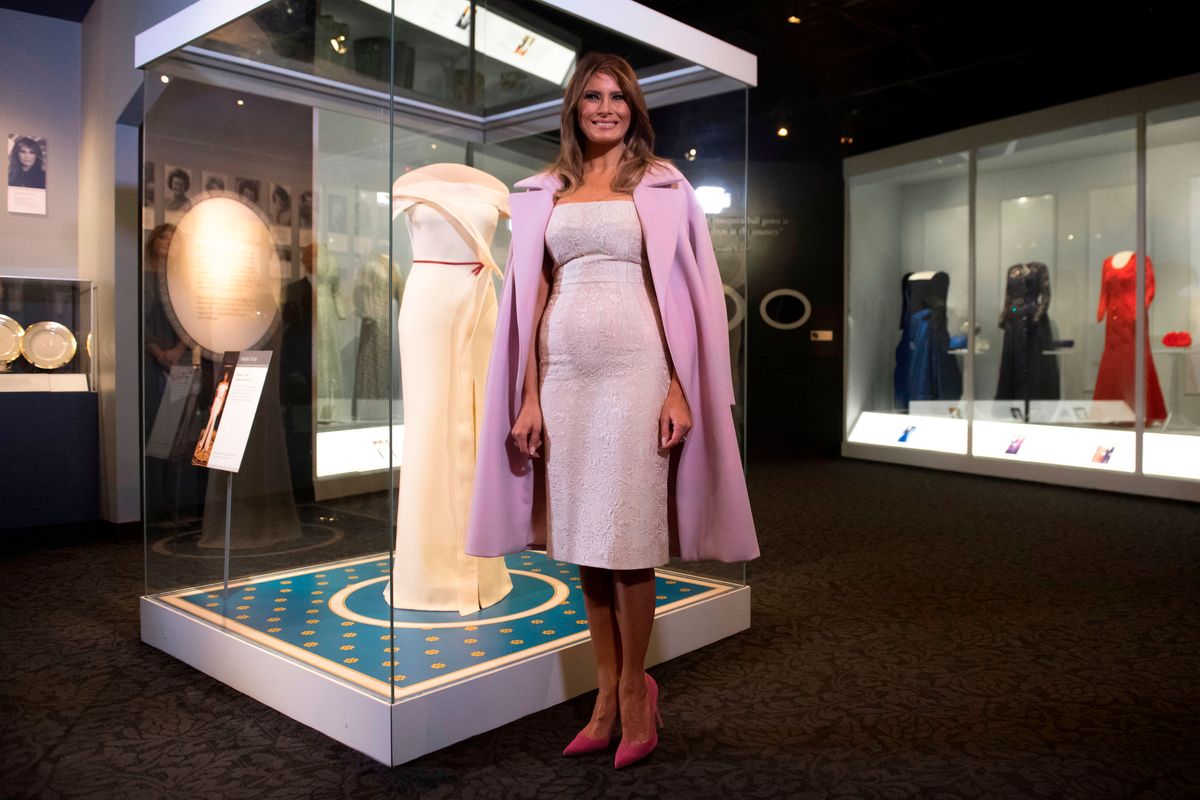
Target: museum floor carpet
915, 634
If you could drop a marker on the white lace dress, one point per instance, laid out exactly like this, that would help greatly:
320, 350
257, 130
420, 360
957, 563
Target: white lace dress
604, 376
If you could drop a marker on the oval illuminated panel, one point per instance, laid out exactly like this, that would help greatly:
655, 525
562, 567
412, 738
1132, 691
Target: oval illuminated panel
223, 281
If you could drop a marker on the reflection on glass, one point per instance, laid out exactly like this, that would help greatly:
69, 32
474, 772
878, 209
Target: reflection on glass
312, 524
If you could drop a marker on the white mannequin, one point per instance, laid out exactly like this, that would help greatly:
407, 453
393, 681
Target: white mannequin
483, 197
1121, 260
447, 320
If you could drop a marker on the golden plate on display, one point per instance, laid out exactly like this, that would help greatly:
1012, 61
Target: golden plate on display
48, 345
11, 334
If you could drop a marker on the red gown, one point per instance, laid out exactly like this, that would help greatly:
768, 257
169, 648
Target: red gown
1118, 301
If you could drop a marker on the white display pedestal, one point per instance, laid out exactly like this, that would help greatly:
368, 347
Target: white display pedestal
396, 732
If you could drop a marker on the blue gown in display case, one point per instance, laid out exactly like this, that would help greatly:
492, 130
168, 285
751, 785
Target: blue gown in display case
925, 368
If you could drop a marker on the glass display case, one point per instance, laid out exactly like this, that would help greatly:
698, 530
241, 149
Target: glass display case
48, 401
46, 340
1034, 339
298, 334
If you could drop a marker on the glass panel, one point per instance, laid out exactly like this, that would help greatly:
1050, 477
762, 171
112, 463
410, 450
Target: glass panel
706, 140
265, 222
1056, 226
1172, 444
348, 42
475, 57
907, 318
345, 296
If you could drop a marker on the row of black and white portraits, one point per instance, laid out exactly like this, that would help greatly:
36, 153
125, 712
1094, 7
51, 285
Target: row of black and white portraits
344, 212
180, 184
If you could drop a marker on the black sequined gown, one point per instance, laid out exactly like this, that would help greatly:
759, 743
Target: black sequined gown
1027, 370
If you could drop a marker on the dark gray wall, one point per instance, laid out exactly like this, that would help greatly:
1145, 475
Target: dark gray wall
794, 392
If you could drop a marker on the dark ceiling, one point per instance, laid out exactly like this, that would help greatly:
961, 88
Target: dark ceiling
74, 10
881, 72
888, 71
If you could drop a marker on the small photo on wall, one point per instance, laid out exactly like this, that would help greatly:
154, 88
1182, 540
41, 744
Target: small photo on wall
148, 184
215, 182
305, 208
281, 205
26, 174
251, 190
285, 260
180, 185
148, 195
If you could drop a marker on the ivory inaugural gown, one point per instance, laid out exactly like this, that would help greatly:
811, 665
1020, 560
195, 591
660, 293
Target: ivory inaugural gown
447, 321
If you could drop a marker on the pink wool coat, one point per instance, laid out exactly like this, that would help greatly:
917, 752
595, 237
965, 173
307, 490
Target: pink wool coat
710, 511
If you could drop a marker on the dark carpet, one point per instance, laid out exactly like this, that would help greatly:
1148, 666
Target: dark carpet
916, 634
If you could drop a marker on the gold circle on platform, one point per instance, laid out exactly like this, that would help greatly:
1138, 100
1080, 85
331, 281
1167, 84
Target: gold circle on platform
337, 604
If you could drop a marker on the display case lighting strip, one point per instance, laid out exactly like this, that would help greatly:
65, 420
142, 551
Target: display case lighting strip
647, 83
496, 37
291, 76
203, 57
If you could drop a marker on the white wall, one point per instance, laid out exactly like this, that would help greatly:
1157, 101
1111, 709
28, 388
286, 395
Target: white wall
39, 96
108, 234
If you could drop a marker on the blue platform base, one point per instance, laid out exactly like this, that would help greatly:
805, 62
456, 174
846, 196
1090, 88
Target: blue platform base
336, 618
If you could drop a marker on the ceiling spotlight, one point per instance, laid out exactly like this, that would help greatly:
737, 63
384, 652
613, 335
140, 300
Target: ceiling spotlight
165, 78
690, 155
782, 131
433, 146
338, 43
794, 19
846, 139
241, 102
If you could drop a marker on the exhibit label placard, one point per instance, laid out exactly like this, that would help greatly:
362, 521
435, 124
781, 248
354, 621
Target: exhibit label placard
235, 401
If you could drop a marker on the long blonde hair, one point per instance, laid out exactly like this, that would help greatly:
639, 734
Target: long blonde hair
639, 139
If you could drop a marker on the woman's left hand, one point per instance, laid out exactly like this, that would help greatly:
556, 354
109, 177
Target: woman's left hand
675, 420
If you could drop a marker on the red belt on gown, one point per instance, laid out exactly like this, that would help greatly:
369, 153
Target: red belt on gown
477, 264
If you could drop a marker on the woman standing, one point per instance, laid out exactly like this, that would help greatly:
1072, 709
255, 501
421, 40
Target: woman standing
611, 363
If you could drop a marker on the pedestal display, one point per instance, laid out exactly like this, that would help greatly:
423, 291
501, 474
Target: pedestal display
298, 204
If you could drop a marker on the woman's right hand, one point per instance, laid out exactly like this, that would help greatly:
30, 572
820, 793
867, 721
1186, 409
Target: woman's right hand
527, 430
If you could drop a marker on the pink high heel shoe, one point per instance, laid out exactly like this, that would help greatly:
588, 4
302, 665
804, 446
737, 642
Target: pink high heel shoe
632, 753
583, 744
